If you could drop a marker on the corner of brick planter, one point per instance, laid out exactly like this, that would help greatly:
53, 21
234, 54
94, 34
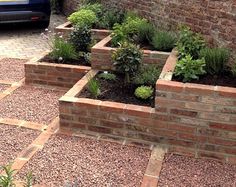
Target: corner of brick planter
66, 28
101, 56
52, 74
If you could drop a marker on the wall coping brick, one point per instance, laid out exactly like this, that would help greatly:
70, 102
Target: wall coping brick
165, 82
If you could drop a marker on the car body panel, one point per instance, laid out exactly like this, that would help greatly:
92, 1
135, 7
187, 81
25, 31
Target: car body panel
24, 10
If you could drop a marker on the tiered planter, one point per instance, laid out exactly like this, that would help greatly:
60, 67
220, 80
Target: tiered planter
191, 119
66, 28
59, 75
101, 56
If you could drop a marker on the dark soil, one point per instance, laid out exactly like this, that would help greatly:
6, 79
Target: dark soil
225, 79
79, 61
118, 92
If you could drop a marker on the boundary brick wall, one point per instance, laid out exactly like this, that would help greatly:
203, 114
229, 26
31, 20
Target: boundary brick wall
215, 19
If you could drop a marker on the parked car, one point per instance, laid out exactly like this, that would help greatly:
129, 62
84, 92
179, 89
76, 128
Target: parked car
15, 11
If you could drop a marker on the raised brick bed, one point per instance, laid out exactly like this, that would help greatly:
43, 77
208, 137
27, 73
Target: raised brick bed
59, 75
191, 119
66, 28
101, 55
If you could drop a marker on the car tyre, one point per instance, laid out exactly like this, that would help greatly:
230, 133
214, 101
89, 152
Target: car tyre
44, 24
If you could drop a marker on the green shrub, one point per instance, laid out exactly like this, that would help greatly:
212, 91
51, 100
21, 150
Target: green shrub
107, 76
94, 87
97, 8
233, 69
110, 17
189, 43
81, 38
62, 50
127, 31
163, 41
144, 92
127, 59
145, 33
147, 75
189, 69
83, 18
216, 59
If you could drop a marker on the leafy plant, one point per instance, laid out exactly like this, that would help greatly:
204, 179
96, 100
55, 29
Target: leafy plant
144, 92
83, 17
147, 75
107, 76
216, 59
110, 17
127, 59
233, 69
97, 8
127, 31
163, 41
7, 179
81, 38
62, 50
189, 43
189, 69
145, 33
94, 87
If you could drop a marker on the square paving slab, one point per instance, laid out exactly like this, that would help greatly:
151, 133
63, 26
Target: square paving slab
12, 69
187, 171
88, 163
13, 140
31, 104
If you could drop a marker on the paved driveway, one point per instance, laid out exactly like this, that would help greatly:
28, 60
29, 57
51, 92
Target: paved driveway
24, 42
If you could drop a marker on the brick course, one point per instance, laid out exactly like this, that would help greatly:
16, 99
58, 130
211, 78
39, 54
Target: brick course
185, 118
216, 20
50, 74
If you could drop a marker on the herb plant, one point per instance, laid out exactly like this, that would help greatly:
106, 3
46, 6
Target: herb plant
163, 41
144, 92
189, 43
81, 38
145, 33
233, 69
189, 69
83, 17
147, 75
216, 59
107, 76
127, 60
94, 87
62, 50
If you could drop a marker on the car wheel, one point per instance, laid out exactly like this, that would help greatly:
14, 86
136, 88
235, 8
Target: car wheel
43, 24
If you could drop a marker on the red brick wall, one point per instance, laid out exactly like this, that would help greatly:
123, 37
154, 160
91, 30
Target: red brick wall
216, 19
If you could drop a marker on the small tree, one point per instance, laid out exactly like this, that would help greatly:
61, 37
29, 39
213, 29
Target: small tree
127, 59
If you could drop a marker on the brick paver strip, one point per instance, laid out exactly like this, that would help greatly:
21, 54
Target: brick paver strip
153, 170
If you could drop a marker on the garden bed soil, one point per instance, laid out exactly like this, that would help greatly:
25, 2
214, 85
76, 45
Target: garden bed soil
186, 171
13, 140
226, 79
87, 162
80, 61
116, 91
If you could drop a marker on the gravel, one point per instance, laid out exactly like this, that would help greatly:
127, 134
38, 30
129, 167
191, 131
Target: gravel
185, 171
31, 104
3, 87
88, 163
12, 69
13, 140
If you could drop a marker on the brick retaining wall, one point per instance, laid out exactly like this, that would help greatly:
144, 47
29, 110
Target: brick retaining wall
215, 19
190, 119
58, 75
